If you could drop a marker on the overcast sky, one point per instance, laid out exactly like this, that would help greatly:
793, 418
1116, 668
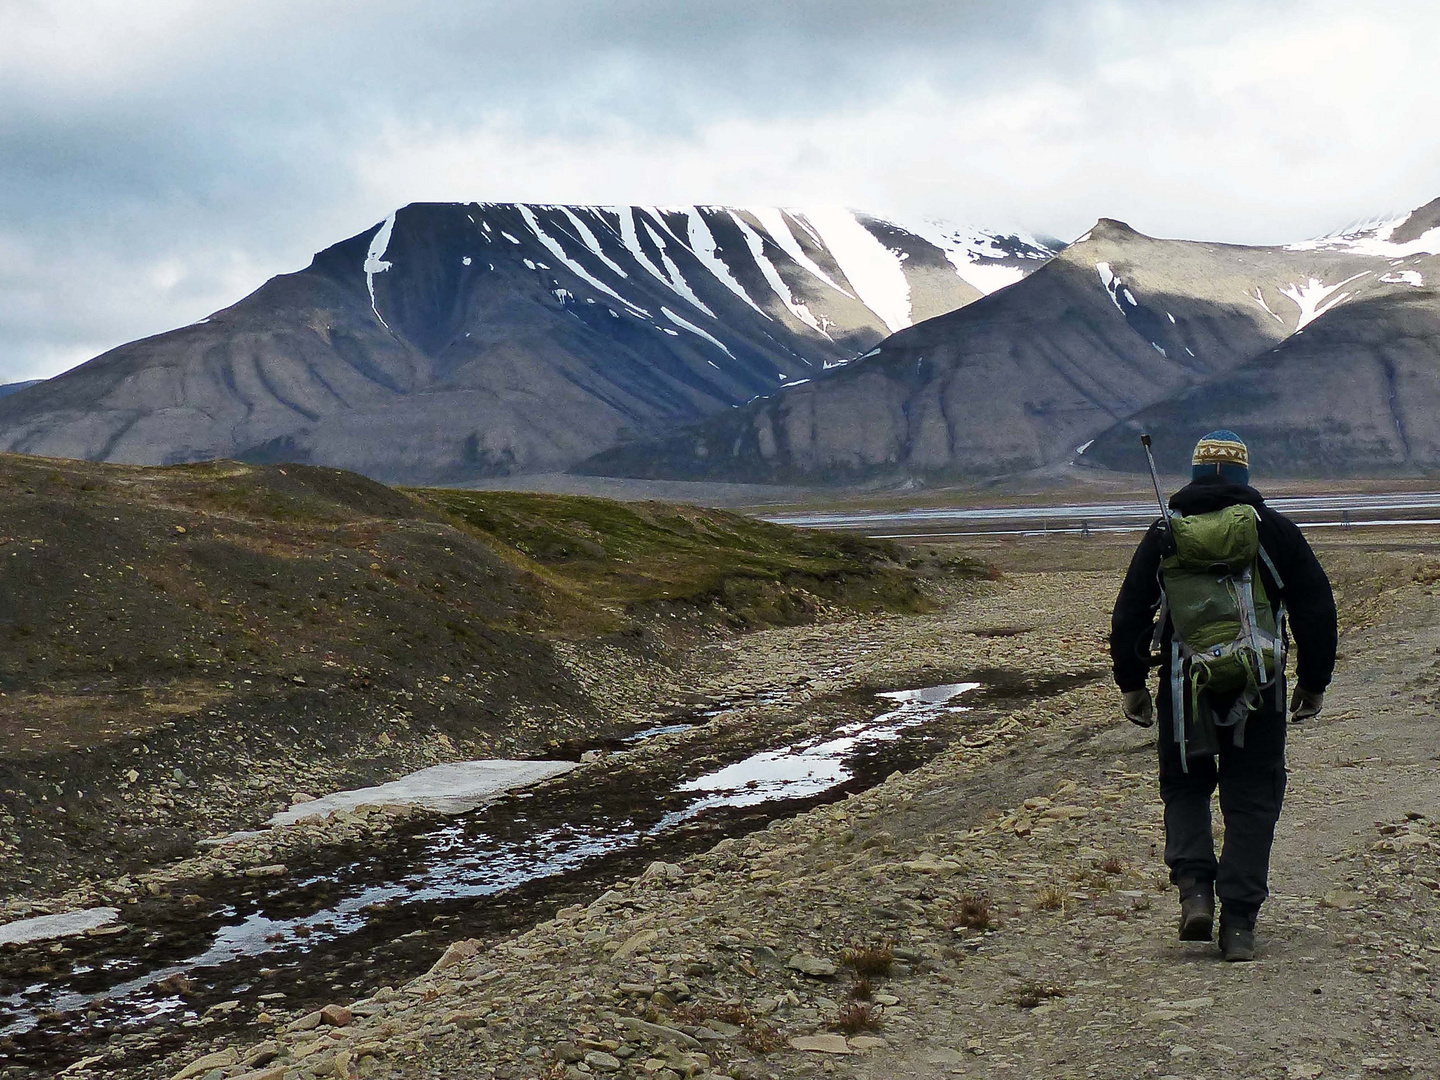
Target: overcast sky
159, 159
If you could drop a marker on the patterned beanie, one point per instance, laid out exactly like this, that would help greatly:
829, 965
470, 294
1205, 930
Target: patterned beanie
1221, 453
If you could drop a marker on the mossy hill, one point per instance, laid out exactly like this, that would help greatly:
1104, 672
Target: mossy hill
238, 632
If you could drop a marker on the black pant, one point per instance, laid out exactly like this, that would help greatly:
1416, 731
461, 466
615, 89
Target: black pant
1251, 779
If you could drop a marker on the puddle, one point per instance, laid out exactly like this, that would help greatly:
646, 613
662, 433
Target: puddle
815, 766
356, 918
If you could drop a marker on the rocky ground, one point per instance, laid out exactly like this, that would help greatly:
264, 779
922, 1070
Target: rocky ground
1000, 911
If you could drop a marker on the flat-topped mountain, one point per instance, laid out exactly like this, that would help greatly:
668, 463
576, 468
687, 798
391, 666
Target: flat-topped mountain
462, 340
1341, 332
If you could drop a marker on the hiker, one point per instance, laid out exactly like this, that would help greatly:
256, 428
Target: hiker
1222, 678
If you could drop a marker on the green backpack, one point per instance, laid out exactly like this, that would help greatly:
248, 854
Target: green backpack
1229, 639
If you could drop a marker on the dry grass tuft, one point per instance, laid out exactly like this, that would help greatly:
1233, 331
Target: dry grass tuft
1111, 865
974, 913
1032, 992
1052, 898
862, 989
869, 960
857, 1016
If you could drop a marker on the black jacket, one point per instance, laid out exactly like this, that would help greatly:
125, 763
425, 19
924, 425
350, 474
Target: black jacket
1306, 591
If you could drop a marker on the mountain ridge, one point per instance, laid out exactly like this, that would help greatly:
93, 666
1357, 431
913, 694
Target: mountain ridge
472, 339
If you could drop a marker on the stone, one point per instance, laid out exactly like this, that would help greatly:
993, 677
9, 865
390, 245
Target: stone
821, 1044
273, 870
457, 953
336, 1016
568, 1052
1341, 899
221, 1059
274, 1072
600, 1061
865, 1043
661, 1032
817, 967
308, 1022
261, 1054
636, 943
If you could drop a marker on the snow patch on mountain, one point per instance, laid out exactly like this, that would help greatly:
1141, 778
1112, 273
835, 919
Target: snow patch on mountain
983, 259
1112, 284
1405, 277
1314, 297
684, 324
773, 220
574, 267
375, 261
702, 243
873, 270
1373, 238
757, 251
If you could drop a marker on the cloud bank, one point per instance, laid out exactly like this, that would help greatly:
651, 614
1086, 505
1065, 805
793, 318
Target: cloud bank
158, 160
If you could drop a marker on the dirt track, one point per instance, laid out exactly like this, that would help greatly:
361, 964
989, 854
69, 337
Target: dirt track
1045, 824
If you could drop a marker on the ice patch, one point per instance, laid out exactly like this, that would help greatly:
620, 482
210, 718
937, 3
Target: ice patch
1085, 445
1160, 350
507, 235
1130, 298
873, 270
1170, 317
45, 927
678, 321
702, 243
445, 789
375, 262
1082, 239
767, 268
1405, 277
465, 261
1311, 298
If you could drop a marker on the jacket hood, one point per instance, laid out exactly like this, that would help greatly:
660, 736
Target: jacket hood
1209, 493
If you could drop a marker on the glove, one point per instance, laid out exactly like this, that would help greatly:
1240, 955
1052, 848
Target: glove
1305, 704
1138, 708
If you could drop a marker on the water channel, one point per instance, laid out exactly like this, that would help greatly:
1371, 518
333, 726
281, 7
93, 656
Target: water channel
361, 916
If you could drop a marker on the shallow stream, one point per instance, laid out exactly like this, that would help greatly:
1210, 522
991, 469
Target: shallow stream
361, 916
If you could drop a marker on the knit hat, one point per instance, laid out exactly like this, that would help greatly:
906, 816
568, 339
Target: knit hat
1221, 453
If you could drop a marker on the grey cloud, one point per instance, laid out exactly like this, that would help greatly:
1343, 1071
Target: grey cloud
148, 179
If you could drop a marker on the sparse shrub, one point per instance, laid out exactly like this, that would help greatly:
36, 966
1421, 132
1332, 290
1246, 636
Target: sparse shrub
868, 960
862, 989
1032, 992
1111, 865
761, 1037
974, 913
857, 1016
1052, 898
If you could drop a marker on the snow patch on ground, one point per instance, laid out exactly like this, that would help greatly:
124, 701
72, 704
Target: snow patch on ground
45, 927
445, 789
874, 271
591, 241
678, 321
375, 262
979, 257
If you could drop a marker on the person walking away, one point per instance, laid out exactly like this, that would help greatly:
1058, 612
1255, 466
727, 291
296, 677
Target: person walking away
1214, 586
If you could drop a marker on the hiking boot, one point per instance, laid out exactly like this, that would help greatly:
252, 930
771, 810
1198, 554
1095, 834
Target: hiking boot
1197, 910
1237, 943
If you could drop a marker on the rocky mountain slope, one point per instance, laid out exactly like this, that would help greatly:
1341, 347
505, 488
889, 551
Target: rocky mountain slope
463, 340
1356, 391
1117, 323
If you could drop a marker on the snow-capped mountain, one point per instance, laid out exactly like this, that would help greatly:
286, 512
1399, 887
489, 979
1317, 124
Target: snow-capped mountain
1328, 350
455, 340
